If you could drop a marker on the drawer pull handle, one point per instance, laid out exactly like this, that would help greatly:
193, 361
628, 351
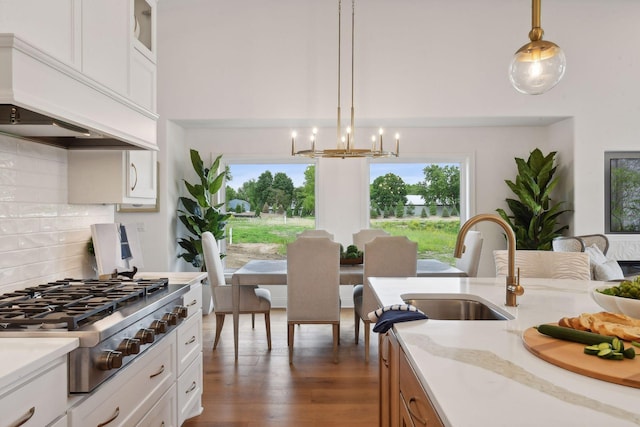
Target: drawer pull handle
115, 415
161, 370
26, 417
413, 415
191, 340
194, 302
193, 387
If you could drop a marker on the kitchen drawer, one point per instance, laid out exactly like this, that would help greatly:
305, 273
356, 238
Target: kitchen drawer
415, 399
163, 413
190, 391
62, 422
42, 399
133, 391
193, 299
189, 341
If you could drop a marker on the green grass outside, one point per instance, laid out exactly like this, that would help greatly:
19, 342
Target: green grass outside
436, 237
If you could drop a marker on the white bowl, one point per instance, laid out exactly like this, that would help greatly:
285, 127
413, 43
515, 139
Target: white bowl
608, 302
629, 306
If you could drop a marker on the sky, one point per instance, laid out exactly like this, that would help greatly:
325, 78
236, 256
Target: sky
411, 173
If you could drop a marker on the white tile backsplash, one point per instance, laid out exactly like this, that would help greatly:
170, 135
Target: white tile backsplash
42, 238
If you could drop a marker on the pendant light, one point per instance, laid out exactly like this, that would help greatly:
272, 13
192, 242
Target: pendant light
345, 145
539, 65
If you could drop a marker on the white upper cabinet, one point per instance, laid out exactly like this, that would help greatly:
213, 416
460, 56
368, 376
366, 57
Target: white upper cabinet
109, 176
106, 42
50, 25
91, 63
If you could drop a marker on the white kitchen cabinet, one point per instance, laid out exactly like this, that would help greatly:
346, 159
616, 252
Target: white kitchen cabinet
39, 399
107, 176
49, 25
142, 78
163, 413
189, 346
128, 397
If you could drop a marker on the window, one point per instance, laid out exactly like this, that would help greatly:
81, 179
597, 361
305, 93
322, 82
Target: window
271, 203
421, 201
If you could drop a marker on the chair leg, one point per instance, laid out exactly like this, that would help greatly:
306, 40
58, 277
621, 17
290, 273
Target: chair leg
367, 333
356, 318
336, 336
267, 323
253, 320
219, 325
290, 330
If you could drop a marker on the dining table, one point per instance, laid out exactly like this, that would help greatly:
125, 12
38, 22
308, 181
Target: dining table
274, 272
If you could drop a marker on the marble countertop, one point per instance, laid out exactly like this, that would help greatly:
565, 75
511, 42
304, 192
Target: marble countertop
479, 372
20, 357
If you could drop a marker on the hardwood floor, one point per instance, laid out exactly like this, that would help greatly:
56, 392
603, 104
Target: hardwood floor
262, 389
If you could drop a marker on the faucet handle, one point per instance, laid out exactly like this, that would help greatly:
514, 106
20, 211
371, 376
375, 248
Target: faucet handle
518, 290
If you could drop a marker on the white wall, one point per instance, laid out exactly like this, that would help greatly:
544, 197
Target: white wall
239, 76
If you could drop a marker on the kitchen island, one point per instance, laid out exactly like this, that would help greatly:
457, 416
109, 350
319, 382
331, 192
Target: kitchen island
479, 373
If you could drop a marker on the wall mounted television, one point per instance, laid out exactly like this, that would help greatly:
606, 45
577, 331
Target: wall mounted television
622, 192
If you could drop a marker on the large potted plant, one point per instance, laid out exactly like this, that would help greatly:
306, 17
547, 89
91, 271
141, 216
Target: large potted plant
534, 217
200, 213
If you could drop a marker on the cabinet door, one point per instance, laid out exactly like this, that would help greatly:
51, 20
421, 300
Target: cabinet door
414, 402
142, 177
388, 352
106, 42
50, 25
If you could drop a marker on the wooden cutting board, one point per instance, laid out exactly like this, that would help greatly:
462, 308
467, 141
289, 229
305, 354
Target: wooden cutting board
570, 355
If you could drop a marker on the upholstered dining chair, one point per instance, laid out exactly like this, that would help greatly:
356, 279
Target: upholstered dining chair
384, 256
366, 235
252, 298
471, 256
546, 264
315, 233
313, 286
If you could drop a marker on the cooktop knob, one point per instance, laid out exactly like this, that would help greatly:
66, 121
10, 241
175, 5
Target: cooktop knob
181, 311
108, 360
159, 326
146, 335
129, 346
170, 318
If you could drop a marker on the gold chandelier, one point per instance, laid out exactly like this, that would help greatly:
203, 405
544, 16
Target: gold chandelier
345, 146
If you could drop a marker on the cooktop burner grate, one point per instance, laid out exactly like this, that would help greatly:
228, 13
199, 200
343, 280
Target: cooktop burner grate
71, 303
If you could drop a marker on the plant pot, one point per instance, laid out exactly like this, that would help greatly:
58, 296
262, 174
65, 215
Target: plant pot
351, 261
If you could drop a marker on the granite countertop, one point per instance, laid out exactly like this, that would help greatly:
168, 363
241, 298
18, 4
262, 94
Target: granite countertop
20, 357
479, 372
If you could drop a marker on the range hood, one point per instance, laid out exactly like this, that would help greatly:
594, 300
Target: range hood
23, 123
46, 100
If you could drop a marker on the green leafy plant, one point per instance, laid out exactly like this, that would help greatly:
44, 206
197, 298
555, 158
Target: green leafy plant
200, 214
534, 218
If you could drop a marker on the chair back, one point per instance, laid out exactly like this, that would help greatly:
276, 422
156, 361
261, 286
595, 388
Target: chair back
545, 264
313, 280
315, 233
366, 235
600, 240
387, 256
215, 272
471, 256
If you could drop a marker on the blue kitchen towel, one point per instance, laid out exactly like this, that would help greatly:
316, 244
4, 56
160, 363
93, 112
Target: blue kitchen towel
388, 318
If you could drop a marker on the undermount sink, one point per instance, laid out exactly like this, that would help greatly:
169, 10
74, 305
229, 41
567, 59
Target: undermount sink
457, 308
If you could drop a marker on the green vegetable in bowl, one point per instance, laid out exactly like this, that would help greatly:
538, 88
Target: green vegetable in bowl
626, 289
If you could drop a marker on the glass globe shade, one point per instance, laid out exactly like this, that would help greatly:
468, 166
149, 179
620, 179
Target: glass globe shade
537, 67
